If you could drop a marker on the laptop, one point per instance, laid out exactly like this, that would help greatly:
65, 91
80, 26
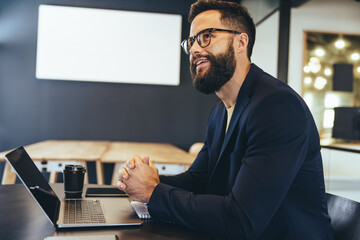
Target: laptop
70, 213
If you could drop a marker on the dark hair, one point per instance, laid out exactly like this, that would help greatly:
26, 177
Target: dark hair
233, 15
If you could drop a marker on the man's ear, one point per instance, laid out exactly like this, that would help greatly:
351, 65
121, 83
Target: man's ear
242, 41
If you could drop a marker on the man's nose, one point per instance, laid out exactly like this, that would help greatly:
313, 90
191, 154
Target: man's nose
195, 48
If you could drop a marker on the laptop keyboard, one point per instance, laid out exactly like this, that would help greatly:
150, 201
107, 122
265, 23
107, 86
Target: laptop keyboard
83, 211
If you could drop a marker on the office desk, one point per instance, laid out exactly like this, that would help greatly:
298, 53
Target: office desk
346, 147
53, 153
341, 163
168, 158
21, 218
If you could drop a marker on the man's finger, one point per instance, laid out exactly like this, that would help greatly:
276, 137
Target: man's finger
151, 164
121, 185
138, 159
146, 160
130, 163
123, 174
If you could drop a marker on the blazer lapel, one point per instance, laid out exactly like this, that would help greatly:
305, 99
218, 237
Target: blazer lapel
218, 138
242, 101
239, 108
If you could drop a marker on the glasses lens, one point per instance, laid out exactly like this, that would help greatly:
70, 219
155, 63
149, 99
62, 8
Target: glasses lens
204, 38
184, 45
190, 42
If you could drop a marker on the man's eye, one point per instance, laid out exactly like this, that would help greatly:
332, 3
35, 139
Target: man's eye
206, 35
191, 41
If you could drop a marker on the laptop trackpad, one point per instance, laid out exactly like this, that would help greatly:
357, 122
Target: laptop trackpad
119, 210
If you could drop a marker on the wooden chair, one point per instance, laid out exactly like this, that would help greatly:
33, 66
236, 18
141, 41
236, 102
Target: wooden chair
345, 217
9, 176
196, 148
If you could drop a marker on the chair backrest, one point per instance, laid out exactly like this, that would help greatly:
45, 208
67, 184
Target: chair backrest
345, 217
196, 148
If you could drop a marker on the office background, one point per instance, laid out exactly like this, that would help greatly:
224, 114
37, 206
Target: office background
33, 110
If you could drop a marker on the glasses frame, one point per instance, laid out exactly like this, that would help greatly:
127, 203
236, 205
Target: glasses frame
185, 43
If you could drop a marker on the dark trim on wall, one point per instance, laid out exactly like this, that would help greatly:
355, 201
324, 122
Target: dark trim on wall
340, 148
297, 3
284, 34
266, 17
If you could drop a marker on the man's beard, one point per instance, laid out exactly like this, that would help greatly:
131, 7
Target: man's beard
222, 68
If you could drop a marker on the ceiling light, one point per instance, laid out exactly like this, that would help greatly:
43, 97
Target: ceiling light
307, 80
355, 56
327, 71
320, 83
319, 52
314, 60
340, 44
314, 65
315, 68
306, 69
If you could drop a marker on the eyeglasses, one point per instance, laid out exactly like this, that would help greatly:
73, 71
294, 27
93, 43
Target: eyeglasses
203, 38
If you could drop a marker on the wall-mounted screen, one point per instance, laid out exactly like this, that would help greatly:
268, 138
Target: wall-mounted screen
100, 45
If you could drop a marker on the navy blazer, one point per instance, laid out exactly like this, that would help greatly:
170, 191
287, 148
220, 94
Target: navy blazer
262, 180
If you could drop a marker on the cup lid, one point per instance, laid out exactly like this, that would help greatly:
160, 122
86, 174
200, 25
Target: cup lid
71, 167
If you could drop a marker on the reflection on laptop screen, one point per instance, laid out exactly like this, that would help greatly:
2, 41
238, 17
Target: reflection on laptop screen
35, 182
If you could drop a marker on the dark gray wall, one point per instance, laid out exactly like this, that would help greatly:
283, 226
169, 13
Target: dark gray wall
33, 110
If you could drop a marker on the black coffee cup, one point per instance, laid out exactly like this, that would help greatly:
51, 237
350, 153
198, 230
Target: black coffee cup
74, 180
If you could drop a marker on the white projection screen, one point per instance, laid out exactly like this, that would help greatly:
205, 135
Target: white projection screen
100, 45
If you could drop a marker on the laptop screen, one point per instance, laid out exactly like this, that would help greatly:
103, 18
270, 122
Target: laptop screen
35, 182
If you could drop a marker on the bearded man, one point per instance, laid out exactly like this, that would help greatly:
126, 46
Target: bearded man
259, 174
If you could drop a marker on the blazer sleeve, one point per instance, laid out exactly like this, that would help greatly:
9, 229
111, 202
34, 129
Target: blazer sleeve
276, 148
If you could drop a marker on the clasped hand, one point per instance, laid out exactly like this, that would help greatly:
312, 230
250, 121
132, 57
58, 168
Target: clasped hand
138, 178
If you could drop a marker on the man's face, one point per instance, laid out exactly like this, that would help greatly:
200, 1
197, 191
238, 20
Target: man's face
221, 68
213, 66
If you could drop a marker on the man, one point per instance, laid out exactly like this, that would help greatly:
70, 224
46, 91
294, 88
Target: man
259, 174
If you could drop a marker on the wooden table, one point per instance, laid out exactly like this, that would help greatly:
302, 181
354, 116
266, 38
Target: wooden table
346, 147
165, 156
168, 158
58, 151
21, 218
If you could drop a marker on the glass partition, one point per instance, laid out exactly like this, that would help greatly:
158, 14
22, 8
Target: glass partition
331, 79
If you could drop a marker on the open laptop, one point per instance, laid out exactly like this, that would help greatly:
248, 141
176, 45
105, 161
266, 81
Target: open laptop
99, 212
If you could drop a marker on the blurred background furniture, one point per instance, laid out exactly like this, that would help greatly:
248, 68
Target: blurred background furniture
168, 158
52, 155
345, 217
341, 162
196, 148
